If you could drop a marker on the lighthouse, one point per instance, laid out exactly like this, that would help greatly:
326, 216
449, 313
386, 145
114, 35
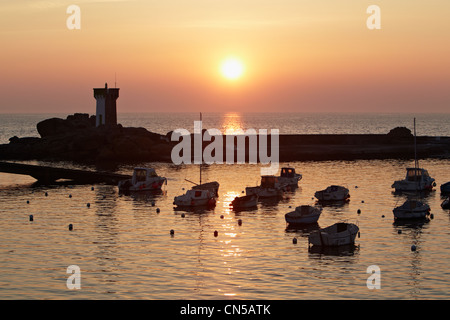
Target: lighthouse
106, 112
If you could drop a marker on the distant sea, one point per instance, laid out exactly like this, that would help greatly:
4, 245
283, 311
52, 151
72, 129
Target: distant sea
24, 125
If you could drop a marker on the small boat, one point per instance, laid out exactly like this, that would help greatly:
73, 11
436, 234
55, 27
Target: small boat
195, 198
445, 188
333, 193
412, 209
338, 234
417, 179
446, 203
303, 215
270, 187
144, 179
245, 202
289, 177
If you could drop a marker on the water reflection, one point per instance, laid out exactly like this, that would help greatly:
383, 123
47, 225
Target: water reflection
316, 252
232, 123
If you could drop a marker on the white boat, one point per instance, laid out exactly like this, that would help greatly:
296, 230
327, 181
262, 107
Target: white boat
245, 202
144, 179
289, 177
195, 198
270, 187
412, 209
417, 179
333, 193
303, 215
338, 234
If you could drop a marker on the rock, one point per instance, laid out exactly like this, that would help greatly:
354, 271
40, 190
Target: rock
400, 132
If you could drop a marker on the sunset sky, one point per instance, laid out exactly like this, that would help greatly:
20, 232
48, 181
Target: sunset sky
296, 55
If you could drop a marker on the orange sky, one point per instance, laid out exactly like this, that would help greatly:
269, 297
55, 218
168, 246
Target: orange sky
305, 56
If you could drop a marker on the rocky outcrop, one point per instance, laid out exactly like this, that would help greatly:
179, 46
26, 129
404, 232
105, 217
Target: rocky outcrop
77, 139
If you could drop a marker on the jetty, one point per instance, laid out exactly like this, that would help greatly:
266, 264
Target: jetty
48, 174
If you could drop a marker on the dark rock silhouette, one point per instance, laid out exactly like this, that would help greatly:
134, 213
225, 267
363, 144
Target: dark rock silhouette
78, 139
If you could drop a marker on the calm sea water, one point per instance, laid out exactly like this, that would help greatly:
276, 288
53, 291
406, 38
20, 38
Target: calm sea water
124, 249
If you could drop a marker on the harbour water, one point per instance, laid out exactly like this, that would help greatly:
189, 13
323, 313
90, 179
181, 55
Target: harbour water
124, 249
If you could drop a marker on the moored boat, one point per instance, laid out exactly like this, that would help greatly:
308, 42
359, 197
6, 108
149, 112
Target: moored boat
333, 193
417, 179
412, 209
303, 215
338, 234
289, 177
270, 187
144, 179
249, 201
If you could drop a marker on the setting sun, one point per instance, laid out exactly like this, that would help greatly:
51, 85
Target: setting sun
232, 68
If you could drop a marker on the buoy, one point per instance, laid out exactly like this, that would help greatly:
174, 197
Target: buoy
28, 201
70, 227
359, 211
153, 203
362, 201
413, 248
88, 205
431, 216
31, 217
290, 207
182, 215
92, 188
221, 216
240, 222
216, 233
70, 196
356, 187
46, 194
157, 210
294, 241
382, 216
172, 232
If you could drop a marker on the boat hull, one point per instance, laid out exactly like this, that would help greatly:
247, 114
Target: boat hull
308, 216
264, 192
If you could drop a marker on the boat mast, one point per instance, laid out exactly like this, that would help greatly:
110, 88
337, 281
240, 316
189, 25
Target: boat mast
201, 162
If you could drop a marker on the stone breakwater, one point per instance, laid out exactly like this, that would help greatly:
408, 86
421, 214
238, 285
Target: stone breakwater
77, 139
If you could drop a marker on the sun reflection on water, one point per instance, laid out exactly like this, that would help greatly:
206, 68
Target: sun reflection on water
232, 123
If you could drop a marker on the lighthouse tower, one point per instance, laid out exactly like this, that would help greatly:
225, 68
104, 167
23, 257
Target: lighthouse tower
106, 112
